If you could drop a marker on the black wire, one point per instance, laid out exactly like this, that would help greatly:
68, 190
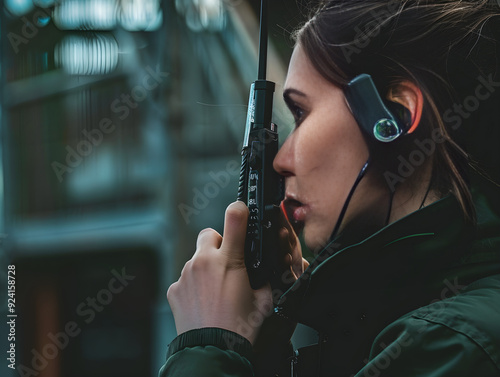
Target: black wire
426, 194
360, 176
349, 197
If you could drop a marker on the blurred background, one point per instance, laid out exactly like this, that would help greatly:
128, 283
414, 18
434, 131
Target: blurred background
121, 123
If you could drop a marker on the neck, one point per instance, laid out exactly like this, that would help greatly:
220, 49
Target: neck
412, 195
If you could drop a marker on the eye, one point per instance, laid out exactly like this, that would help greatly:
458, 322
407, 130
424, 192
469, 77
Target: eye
295, 107
297, 112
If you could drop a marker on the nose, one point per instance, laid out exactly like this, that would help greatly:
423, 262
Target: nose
283, 162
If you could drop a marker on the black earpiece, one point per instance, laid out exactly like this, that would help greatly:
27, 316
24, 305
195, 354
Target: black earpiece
384, 121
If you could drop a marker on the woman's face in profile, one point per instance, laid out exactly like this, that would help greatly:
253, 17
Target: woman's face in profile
324, 154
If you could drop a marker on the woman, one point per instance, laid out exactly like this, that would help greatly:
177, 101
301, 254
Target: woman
406, 275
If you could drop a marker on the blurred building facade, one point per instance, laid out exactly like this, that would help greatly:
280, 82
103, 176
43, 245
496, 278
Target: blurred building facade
121, 124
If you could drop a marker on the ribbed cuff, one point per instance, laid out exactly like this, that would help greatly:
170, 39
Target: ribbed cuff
226, 340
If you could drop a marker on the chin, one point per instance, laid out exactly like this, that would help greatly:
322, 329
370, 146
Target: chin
314, 241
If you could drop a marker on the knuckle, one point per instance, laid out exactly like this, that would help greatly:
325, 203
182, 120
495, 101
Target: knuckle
206, 232
172, 292
207, 237
186, 268
200, 262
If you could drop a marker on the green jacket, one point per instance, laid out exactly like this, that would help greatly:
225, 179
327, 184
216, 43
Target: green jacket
419, 298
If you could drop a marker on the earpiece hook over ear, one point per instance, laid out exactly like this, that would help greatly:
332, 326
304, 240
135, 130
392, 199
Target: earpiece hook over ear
378, 119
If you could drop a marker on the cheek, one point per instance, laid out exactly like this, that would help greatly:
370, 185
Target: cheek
333, 159
331, 146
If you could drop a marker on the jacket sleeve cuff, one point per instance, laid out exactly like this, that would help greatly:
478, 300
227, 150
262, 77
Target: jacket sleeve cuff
225, 340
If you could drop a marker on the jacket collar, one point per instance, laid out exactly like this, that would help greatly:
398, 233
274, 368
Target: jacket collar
417, 256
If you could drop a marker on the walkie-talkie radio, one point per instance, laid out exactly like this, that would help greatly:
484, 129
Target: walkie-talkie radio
260, 187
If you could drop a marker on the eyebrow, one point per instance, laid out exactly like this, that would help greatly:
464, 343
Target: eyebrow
289, 91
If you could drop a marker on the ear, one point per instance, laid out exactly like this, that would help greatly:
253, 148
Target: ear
410, 96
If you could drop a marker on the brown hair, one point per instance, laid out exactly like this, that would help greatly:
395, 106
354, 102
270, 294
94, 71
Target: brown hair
442, 46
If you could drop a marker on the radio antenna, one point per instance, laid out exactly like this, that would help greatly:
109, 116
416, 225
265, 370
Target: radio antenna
263, 40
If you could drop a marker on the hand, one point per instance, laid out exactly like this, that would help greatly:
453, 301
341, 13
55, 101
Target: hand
214, 290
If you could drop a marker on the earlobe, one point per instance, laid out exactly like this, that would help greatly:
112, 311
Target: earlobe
409, 95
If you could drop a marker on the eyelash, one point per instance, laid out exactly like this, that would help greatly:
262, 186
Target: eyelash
297, 112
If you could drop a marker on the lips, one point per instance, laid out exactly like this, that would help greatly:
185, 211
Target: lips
296, 213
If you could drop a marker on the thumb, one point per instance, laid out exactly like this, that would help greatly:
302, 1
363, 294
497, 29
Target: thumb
235, 229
